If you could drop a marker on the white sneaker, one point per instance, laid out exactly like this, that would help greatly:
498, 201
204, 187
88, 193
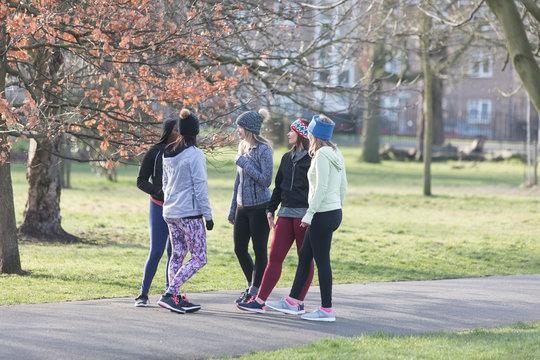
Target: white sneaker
320, 315
285, 307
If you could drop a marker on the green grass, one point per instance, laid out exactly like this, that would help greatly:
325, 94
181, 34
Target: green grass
480, 222
519, 341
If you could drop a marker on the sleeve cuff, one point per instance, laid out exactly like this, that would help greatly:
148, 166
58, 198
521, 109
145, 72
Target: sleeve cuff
241, 161
307, 218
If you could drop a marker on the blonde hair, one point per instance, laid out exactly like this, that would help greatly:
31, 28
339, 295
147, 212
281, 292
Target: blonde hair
316, 143
252, 138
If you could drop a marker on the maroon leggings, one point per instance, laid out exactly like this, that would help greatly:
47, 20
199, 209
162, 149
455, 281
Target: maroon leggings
286, 231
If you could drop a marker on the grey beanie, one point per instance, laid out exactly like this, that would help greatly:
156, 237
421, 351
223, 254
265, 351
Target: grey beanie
251, 121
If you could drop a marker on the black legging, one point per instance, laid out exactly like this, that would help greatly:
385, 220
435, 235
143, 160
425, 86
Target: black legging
251, 223
316, 246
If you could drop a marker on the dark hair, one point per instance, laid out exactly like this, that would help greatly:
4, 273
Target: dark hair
185, 141
168, 126
301, 143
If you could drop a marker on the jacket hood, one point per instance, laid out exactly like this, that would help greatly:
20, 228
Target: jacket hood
334, 157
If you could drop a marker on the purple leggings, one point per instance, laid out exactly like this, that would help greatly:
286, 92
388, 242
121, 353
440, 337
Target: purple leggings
185, 234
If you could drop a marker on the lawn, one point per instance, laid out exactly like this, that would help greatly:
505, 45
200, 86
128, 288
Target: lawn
479, 222
519, 341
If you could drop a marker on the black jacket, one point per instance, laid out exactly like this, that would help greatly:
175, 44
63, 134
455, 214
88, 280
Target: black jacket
152, 168
291, 185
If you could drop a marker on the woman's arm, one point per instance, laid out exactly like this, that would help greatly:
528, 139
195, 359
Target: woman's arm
319, 182
265, 159
145, 172
200, 184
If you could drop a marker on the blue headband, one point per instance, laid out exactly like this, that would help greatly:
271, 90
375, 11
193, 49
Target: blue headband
320, 129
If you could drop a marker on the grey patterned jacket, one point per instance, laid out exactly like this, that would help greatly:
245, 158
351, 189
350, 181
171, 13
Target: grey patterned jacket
253, 178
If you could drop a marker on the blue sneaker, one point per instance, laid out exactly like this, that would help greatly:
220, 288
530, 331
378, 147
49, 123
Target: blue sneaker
252, 305
284, 306
320, 315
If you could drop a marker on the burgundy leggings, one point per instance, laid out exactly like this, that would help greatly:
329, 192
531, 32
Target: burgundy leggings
286, 231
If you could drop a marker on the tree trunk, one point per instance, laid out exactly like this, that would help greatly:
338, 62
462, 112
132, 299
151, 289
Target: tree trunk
10, 261
42, 218
437, 96
65, 165
420, 132
428, 103
518, 47
371, 130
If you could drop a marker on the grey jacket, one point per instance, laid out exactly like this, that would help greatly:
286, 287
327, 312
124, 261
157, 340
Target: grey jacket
185, 185
253, 178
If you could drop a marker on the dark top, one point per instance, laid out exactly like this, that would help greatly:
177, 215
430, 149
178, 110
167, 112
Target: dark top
152, 168
291, 185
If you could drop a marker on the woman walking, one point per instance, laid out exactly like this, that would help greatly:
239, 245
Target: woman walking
250, 198
151, 169
291, 191
185, 187
327, 187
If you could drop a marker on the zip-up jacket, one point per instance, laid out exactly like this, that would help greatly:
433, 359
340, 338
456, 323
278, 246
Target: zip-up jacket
327, 182
253, 178
291, 184
185, 185
152, 168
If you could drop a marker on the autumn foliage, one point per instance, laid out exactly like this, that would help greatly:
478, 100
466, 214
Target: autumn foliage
106, 71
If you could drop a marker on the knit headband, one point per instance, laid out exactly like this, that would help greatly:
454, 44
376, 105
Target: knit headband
300, 127
320, 129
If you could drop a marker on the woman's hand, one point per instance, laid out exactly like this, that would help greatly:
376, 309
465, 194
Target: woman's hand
270, 218
231, 222
304, 224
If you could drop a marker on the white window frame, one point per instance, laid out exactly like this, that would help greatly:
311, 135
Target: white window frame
479, 111
481, 66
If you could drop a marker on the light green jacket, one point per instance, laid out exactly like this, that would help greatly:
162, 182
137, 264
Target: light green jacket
327, 182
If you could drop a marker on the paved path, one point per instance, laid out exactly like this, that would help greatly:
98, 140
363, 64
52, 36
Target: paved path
115, 329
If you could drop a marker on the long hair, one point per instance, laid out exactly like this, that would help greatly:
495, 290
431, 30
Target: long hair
252, 138
185, 141
168, 126
301, 144
316, 143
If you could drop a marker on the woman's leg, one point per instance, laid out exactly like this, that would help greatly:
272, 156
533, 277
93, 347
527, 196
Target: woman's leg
159, 232
305, 261
258, 225
180, 250
299, 234
282, 240
322, 227
241, 234
195, 240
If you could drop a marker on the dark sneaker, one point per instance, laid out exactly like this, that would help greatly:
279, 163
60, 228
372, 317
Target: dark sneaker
253, 306
244, 297
187, 306
171, 302
141, 300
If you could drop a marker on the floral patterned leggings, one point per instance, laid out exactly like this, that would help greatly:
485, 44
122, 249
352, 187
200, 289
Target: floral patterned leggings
185, 234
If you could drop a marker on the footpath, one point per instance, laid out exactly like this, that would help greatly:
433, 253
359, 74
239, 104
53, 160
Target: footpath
115, 329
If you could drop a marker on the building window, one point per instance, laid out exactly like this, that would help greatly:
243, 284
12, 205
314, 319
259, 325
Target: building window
324, 76
481, 67
393, 66
344, 78
479, 111
390, 106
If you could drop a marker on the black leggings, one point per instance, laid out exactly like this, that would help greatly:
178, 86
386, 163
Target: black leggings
316, 246
251, 223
